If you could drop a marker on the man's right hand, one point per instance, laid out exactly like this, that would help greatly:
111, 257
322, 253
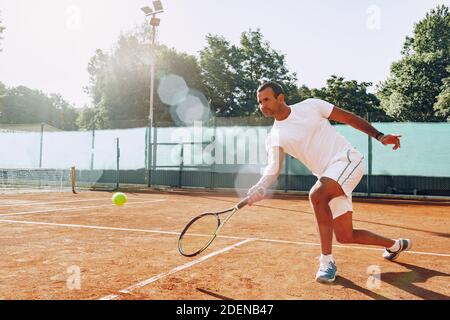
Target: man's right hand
255, 194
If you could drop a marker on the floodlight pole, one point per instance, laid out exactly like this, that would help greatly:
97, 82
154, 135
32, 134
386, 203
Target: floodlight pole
151, 146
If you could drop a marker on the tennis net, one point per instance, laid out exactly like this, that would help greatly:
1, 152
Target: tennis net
25, 180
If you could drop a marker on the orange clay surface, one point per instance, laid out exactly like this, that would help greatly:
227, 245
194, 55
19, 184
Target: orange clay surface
47, 239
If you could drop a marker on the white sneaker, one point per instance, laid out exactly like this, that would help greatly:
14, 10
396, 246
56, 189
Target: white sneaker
327, 272
405, 244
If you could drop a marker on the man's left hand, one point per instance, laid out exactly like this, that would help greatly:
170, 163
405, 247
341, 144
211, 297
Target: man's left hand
391, 139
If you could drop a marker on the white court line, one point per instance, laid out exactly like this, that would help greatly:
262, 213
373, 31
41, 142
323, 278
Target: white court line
31, 203
74, 209
348, 247
89, 227
221, 237
174, 270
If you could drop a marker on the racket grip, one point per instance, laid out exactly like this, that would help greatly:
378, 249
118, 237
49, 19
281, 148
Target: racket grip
262, 191
243, 203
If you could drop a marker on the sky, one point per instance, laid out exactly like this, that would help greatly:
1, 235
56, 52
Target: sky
48, 43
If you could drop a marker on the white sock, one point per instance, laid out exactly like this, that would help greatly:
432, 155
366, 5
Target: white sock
395, 247
326, 258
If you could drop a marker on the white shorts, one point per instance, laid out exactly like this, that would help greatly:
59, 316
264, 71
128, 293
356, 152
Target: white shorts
347, 168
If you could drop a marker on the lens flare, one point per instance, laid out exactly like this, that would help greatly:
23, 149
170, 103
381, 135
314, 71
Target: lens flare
172, 90
194, 108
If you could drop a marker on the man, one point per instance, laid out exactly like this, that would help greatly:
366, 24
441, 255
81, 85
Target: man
304, 131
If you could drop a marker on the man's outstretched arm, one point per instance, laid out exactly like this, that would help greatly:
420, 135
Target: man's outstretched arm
275, 159
345, 117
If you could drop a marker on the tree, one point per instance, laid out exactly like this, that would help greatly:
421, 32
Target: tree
442, 106
96, 117
119, 82
260, 63
350, 95
233, 73
220, 69
63, 114
22, 105
171, 62
90, 119
304, 93
410, 92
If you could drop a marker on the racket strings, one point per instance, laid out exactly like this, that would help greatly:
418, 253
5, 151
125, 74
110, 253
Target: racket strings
199, 234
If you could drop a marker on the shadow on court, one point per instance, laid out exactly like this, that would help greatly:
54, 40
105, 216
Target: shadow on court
438, 234
346, 283
406, 281
212, 294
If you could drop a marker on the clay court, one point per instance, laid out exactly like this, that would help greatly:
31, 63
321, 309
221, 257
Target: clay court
267, 251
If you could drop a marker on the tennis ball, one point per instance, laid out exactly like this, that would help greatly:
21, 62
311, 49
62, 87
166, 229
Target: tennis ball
119, 199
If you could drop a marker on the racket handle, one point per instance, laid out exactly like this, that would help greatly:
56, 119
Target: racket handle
243, 203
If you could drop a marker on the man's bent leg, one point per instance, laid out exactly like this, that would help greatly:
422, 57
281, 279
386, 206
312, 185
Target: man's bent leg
320, 196
343, 229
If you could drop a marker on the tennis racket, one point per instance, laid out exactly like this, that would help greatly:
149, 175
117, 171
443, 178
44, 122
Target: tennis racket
201, 231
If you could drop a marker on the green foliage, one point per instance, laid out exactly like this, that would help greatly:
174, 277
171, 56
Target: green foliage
304, 93
169, 61
219, 61
260, 63
229, 75
417, 89
411, 92
21, 105
91, 118
442, 106
233, 73
63, 113
349, 95
430, 34
119, 82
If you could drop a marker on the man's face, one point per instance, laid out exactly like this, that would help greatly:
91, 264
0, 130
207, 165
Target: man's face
268, 103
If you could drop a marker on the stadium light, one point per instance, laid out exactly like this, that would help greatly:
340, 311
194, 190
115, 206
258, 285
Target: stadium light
154, 22
158, 6
147, 11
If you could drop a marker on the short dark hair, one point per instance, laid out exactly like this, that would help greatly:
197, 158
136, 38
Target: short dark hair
276, 87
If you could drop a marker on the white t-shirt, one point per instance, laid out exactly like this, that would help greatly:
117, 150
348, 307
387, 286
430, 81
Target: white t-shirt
307, 135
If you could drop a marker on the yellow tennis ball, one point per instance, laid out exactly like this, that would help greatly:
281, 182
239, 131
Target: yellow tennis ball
119, 199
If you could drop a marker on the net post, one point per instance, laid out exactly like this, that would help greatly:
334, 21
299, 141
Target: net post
286, 173
146, 163
149, 156
213, 155
181, 165
369, 164
41, 145
93, 147
154, 150
72, 175
212, 166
